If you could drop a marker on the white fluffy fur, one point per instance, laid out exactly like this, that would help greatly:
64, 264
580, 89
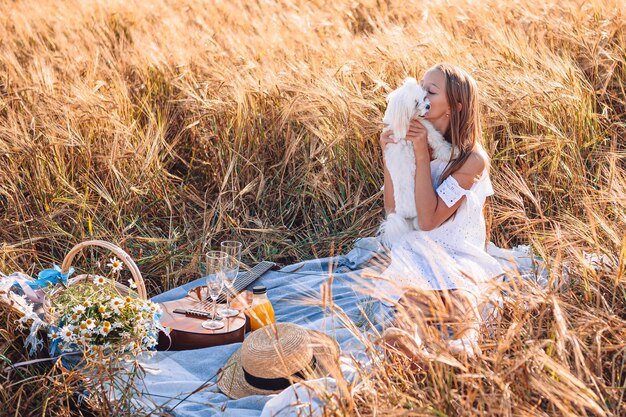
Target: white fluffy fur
405, 103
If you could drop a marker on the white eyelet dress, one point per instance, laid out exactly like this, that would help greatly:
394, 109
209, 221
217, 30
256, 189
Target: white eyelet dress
451, 256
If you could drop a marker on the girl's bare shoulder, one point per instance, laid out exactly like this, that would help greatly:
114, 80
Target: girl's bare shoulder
473, 168
476, 163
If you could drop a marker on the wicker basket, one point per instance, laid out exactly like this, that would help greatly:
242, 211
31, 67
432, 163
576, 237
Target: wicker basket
121, 288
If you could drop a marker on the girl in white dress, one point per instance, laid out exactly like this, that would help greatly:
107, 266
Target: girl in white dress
447, 256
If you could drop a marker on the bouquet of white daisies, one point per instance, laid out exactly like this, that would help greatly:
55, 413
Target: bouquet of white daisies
93, 317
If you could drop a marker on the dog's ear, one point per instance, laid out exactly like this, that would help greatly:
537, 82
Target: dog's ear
406, 109
393, 113
396, 114
401, 107
399, 111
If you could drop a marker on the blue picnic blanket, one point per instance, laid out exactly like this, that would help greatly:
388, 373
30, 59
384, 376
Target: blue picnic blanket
184, 382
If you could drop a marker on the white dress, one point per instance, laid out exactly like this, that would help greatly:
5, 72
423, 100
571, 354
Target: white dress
451, 256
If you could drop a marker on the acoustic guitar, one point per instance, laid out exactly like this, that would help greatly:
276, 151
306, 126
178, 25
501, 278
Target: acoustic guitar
184, 316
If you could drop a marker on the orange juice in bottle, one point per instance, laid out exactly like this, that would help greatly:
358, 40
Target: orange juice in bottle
261, 311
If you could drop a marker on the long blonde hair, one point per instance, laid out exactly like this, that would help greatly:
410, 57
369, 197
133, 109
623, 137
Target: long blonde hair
464, 130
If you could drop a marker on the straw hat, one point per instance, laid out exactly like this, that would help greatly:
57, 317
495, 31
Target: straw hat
275, 356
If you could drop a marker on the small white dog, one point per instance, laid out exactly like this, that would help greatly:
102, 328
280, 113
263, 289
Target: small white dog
405, 103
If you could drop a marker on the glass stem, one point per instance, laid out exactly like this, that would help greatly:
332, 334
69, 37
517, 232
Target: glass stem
227, 298
214, 305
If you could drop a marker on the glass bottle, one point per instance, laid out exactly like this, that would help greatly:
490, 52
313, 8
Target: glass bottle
261, 310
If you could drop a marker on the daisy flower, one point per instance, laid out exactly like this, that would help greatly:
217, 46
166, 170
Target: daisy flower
131, 283
98, 280
117, 304
79, 309
115, 264
67, 333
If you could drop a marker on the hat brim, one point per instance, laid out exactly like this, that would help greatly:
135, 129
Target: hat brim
232, 382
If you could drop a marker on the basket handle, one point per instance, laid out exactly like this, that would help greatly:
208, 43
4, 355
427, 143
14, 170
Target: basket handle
124, 257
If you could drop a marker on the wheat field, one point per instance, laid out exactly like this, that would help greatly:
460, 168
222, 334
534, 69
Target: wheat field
165, 126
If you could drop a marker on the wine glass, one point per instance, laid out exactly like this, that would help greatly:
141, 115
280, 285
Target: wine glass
215, 264
233, 249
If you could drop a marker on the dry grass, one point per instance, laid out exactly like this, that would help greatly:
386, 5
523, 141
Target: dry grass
165, 126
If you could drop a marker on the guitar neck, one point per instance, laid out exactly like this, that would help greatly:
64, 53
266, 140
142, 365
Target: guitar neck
243, 281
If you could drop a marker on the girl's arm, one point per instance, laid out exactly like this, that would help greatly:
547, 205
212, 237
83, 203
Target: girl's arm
432, 211
390, 202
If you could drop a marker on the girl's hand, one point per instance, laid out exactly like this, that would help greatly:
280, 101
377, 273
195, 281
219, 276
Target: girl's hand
418, 135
